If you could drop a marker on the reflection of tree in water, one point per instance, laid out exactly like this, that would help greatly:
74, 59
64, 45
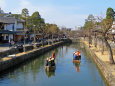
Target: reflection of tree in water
77, 46
63, 50
88, 58
60, 52
86, 53
36, 65
50, 74
33, 66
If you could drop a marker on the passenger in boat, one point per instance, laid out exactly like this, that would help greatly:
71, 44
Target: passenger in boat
53, 55
47, 61
78, 55
74, 56
52, 62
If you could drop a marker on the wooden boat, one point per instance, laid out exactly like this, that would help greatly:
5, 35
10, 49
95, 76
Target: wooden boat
76, 61
50, 68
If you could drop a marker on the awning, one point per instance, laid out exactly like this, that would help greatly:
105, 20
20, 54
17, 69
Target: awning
6, 32
19, 32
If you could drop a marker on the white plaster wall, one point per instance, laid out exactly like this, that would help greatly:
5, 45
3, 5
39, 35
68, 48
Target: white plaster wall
9, 27
10, 36
15, 25
19, 25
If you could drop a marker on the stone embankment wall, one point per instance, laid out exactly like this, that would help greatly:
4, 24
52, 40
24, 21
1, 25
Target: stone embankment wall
8, 62
102, 66
8, 52
14, 51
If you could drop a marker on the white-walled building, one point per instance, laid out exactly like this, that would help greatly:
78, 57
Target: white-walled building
78, 28
11, 28
7, 28
19, 30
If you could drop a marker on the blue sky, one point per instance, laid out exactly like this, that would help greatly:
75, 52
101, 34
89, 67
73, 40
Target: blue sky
68, 13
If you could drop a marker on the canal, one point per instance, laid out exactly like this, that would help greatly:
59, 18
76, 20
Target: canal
32, 73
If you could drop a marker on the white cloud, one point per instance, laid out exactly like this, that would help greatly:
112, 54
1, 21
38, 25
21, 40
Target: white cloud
53, 14
26, 4
2, 4
70, 21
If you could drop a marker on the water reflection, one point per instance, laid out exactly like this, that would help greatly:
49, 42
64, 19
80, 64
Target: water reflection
32, 73
50, 74
77, 66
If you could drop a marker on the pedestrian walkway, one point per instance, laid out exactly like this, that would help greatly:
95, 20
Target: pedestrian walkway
4, 47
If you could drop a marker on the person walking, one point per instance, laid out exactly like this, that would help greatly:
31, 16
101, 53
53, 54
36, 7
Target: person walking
9, 43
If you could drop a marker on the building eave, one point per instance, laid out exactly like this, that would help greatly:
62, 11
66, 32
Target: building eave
6, 32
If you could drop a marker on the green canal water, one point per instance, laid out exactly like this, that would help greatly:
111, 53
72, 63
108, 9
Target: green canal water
32, 73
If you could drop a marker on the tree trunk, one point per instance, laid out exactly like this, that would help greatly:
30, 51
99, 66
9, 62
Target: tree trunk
95, 39
113, 38
34, 39
52, 38
42, 39
89, 41
102, 50
109, 50
48, 39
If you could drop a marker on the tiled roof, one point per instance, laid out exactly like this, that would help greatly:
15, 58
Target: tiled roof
20, 20
7, 20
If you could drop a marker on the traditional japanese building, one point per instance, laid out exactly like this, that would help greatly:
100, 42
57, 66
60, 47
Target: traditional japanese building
10, 28
7, 28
